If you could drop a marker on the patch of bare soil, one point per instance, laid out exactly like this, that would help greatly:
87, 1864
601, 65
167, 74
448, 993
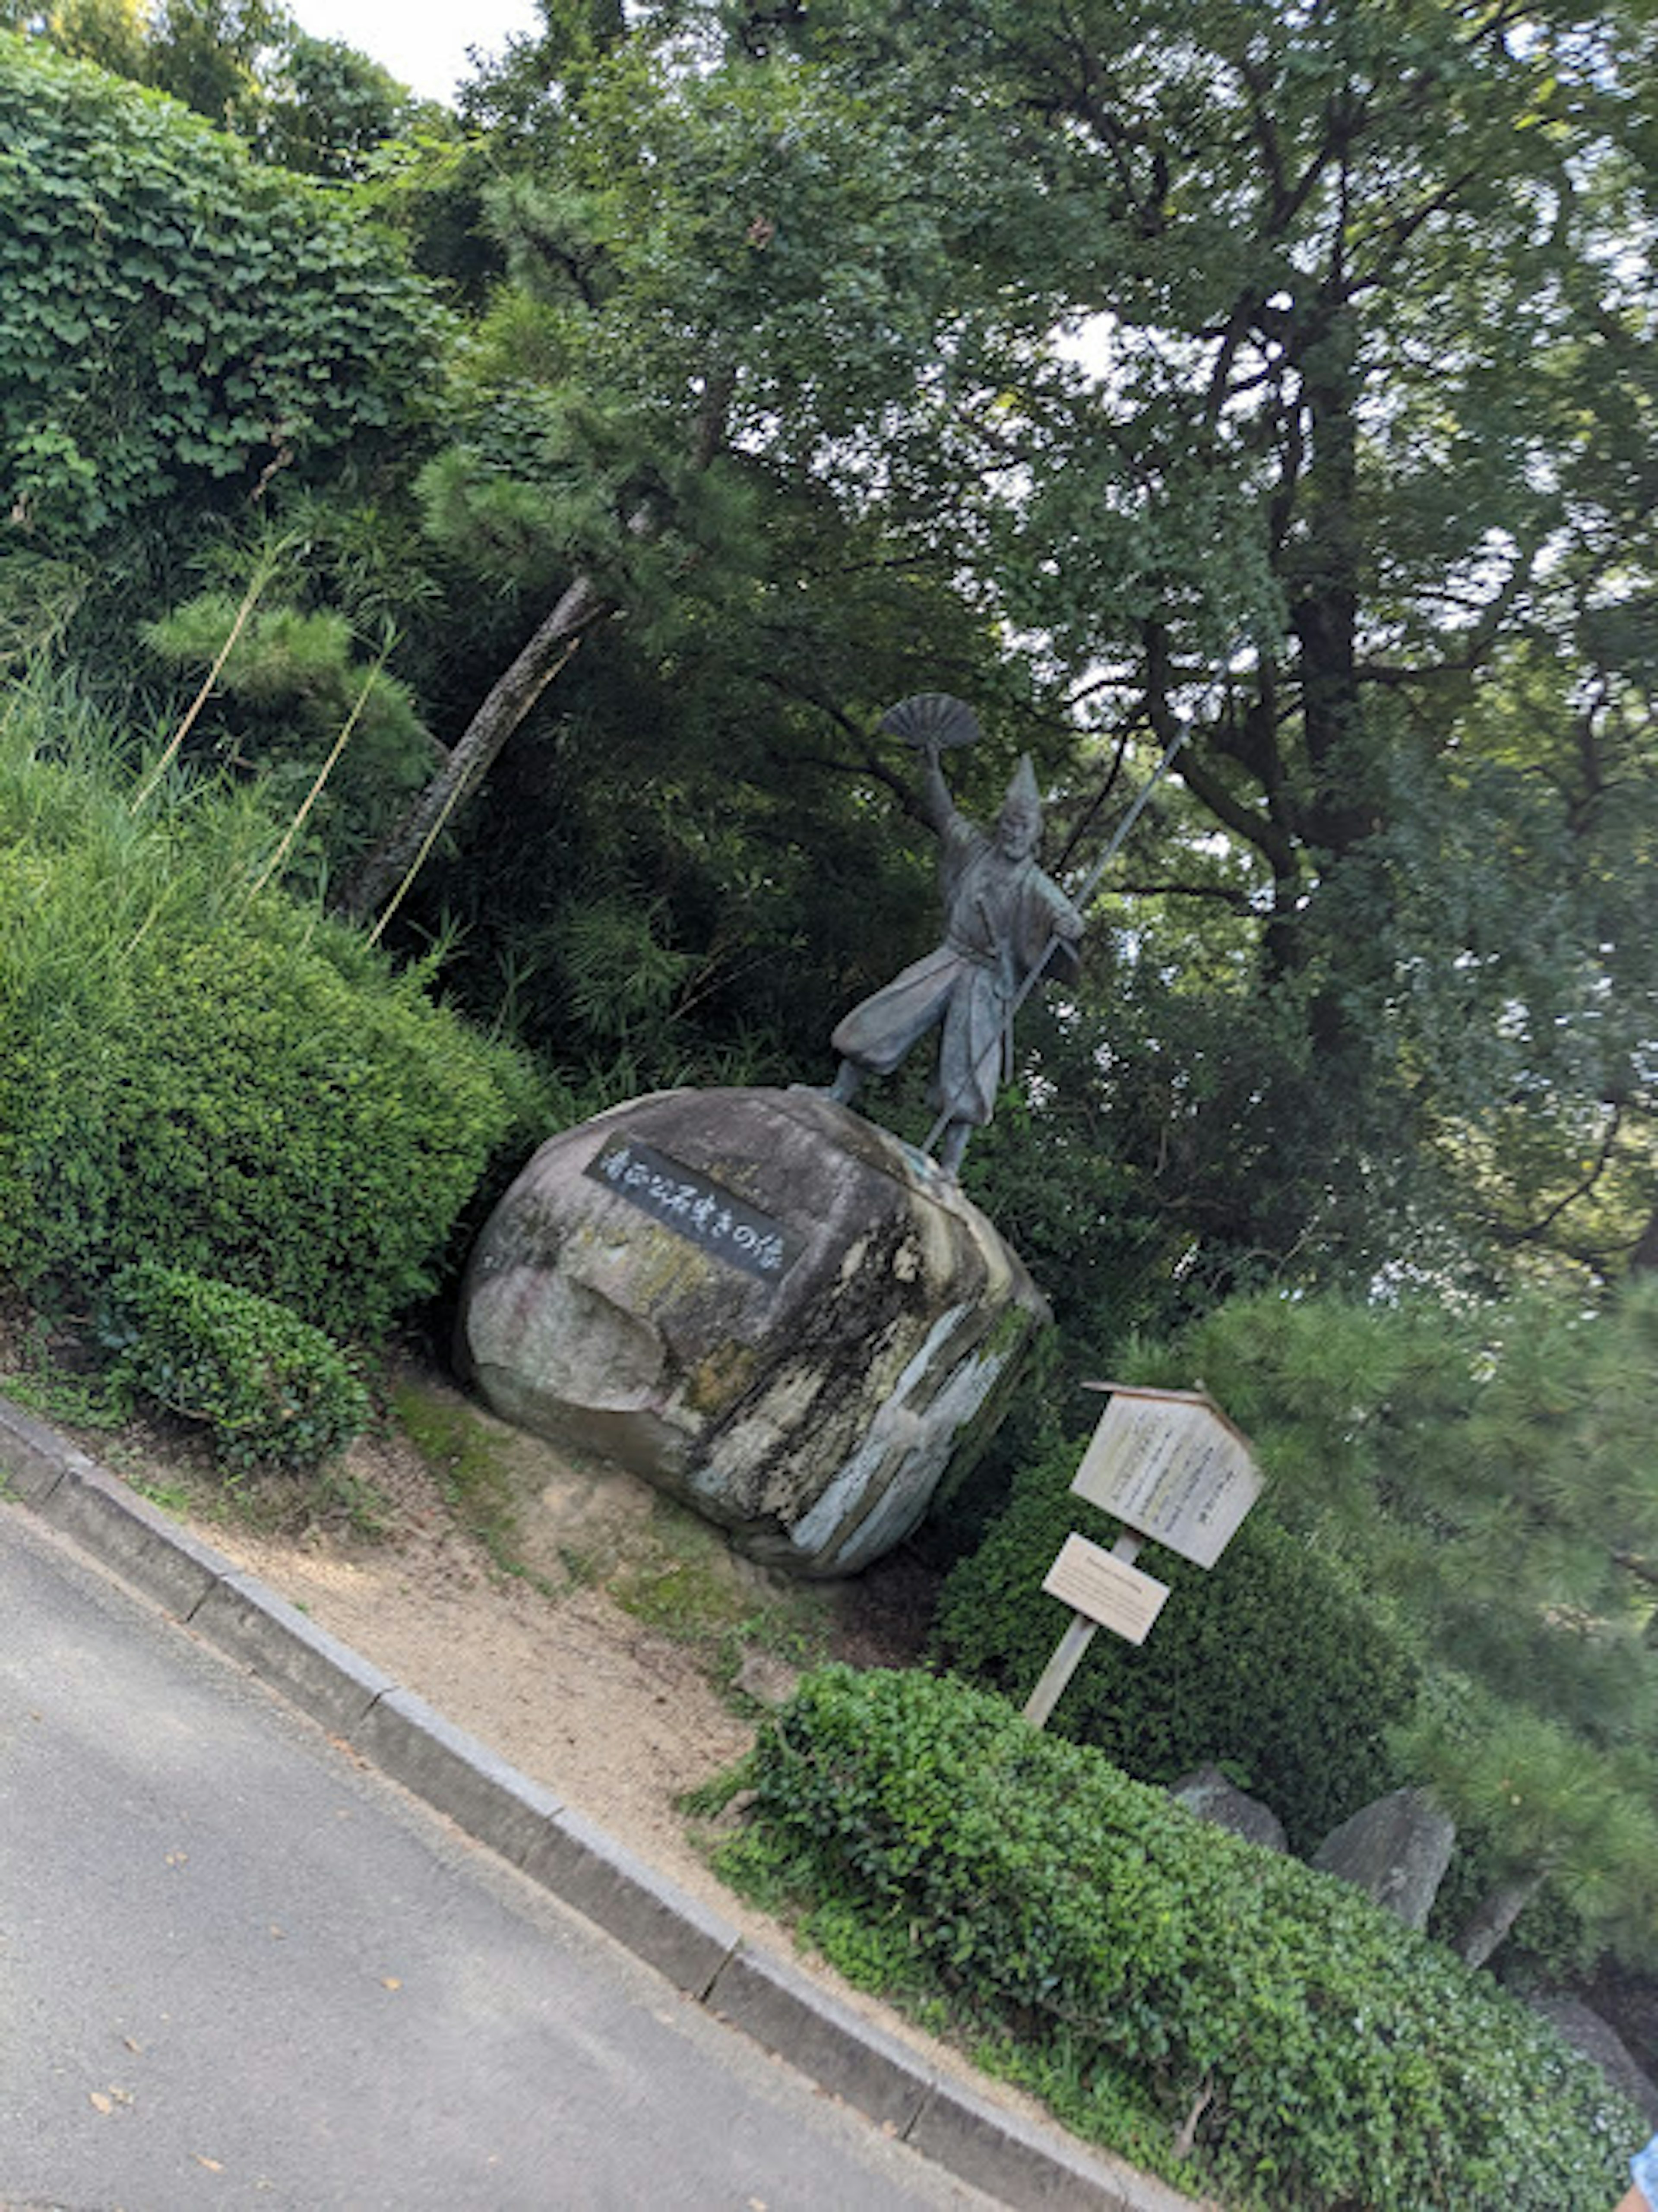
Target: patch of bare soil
604, 1641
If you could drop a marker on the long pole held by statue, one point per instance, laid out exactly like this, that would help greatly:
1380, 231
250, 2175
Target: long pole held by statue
1089, 886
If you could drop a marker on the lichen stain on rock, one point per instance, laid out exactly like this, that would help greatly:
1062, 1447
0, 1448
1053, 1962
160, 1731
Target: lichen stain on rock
657, 1265
720, 1379
852, 1259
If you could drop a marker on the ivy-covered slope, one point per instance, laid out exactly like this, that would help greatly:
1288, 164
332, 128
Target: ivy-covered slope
174, 316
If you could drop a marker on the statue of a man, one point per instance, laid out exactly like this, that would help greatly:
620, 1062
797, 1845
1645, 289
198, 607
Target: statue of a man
1003, 917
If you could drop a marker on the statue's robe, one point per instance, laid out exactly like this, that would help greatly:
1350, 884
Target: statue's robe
1001, 917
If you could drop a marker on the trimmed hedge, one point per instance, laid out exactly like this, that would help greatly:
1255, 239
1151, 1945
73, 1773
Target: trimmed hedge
1273, 1661
1128, 1959
234, 1085
274, 1391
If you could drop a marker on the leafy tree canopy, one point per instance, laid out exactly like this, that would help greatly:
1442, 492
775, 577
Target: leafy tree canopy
1254, 394
314, 105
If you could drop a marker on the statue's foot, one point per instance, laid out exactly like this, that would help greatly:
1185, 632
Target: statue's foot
950, 1149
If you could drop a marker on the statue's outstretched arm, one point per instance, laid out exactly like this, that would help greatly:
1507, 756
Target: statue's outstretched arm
927, 722
1067, 920
933, 800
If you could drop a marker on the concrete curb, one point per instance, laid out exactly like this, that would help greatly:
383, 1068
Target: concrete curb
701, 1954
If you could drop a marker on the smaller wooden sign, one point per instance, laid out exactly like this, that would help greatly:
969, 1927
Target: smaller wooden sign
1108, 1590
1171, 1466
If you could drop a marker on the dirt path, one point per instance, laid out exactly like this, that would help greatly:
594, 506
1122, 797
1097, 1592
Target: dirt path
603, 1658
588, 1631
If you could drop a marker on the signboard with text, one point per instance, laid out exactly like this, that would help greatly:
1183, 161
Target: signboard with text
1171, 1466
692, 1205
1118, 1596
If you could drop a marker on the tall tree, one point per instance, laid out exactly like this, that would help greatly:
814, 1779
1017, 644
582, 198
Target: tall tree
1358, 415
706, 303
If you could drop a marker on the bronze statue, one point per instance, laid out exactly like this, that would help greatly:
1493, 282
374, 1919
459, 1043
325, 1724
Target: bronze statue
1004, 920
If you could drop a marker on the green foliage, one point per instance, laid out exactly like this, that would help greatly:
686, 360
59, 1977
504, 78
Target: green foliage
316, 106
1490, 1472
1491, 1467
41, 1381
294, 684
225, 1078
1275, 1662
176, 323
111, 32
1550, 1945
1165, 1983
207, 53
1253, 400
274, 1391
1572, 1823
326, 108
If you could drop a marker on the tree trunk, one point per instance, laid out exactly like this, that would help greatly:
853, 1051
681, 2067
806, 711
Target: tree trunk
510, 700
1496, 1916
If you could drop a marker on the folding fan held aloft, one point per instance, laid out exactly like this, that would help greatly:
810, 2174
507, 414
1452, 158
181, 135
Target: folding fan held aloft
932, 721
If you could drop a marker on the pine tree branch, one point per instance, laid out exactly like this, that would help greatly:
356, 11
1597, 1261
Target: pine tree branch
1221, 894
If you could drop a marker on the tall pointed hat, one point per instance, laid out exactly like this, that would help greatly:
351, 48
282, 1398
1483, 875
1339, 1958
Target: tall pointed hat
1022, 796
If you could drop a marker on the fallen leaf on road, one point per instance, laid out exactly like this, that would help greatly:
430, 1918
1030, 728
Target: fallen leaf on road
390, 1982
99, 2102
130, 2044
211, 2164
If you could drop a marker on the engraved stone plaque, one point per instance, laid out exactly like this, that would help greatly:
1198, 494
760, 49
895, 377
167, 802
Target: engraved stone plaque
694, 1208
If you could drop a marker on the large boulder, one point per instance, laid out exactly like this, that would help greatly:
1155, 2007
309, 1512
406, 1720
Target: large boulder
761, 1302
1397, 1849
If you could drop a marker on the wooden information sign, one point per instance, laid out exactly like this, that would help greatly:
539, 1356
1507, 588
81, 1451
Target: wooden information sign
1114, 1594
1170, 1465
1172, 1468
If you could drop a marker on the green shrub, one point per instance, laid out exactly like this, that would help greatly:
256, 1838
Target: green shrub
274, 1391
1141, 1969
233, 1085
293, 682
1271, 1662
240, 1104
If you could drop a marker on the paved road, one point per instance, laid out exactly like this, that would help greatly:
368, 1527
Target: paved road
238, 1970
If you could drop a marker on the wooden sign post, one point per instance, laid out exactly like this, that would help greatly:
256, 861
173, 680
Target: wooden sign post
1171, 1466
